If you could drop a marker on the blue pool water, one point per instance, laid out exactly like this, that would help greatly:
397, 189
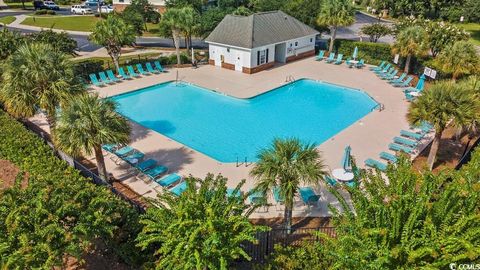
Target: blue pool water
226, 128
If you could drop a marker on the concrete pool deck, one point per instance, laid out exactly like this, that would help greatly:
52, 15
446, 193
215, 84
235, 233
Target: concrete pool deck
368, 137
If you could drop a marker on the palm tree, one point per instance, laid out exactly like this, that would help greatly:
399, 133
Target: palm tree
285, 165
86, 124
113, 33
459, 59
411, 42
179, 20
335, 13
37, 76
444, 103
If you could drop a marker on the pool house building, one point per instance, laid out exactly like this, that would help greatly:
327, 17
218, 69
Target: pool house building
250, 44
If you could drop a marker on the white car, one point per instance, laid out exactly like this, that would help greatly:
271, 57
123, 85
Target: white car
105, 9
80, 9
51, 5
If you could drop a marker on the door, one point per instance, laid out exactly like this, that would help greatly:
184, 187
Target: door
218, 59
238, 62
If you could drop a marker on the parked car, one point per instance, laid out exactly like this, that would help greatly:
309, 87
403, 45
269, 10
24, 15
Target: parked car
51, 5
105, 9
39, 5
81, 9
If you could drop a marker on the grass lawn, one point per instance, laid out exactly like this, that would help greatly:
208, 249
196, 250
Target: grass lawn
123, 59
28, 4
74, 23
474, 30
7, 19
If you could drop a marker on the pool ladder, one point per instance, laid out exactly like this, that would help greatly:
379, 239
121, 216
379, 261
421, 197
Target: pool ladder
289, 78
246, 163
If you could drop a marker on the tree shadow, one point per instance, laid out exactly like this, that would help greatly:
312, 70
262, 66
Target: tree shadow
144, 129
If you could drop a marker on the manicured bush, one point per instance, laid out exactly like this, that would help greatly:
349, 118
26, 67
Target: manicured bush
44, 12
372, 53
86, 67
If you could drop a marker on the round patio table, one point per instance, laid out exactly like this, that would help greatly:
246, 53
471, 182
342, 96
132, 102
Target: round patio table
414, 94
342, 175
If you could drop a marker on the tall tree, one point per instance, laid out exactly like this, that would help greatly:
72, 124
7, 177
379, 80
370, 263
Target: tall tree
38, 76
444, 103
459, 59
411, 42
335, 13
113, 33
287, 164
203, 228
180, 21
87, 123
59, 41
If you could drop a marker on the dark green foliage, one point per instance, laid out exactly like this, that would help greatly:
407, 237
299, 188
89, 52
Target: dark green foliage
242, 11
305, 11
59, 41
267, 5
134, 18
60, 212
85, 67
211, 18
372, 53
376, 31
472, 11
202, 228
44, 12
9, 42
417, 221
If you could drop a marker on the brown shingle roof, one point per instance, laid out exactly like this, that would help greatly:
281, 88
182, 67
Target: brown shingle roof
258, 30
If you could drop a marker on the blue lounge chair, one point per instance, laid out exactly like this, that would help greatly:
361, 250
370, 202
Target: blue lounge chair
276, 195
155, 172
399, 147
405, 141
390, 70
331, 57
351, 184
131, 159
158, 66
348, 62
110, 147
112, 76
132, 72
405, 83
150, 68
146, 165
379, 67
411, 135
95, 81
384, 70
389, 157
360, 64
320, 55
141, 70
339, 59
104, 78
424, 127
409, 97
308, 196
124, 151
331, 181
122, 74
389, 75
232, 192
256, 197
376, 164
179, 189
397, 80
168, 180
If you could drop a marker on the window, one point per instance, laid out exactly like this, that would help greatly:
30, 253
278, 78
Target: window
296, 43
262, 57
311, 40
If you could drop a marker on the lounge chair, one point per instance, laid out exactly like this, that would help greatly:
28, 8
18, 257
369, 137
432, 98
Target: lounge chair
389, 157
379, 67
360, 64
376, 164
339, 59
383, 73
153, 173
331, 57
399, 147
112, 76
349, 63
132, 72
122, 74
121, 152
104, 78
320, 56
411, 135
232, 192
399, 79
405, 141
150, 68
131, 159
389, 75
110, 147
424, 128
145, 165
168, 180
308, 196
141, 70
257, 197
94, 80
384, 70
405, 83
158, 66
331, 181
179, 189
409, 97
351, 184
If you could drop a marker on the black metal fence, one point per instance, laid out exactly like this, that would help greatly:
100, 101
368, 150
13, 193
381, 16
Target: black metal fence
266, 241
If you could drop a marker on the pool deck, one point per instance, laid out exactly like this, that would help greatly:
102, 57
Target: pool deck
368, 137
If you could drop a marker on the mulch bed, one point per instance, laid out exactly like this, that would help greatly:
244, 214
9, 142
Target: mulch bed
9, 173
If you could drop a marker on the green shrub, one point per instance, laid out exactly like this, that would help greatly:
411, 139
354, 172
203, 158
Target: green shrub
372, 53
44, 12
86, 67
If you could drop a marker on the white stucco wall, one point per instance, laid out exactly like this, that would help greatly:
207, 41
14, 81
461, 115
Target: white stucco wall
304, 44
230, 55
271, 54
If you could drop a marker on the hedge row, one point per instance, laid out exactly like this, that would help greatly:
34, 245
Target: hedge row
372, 53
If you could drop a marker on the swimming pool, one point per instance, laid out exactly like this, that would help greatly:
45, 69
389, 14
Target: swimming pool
227, 128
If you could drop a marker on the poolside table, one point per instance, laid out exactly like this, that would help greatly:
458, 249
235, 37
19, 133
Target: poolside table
414, 94
342, 175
